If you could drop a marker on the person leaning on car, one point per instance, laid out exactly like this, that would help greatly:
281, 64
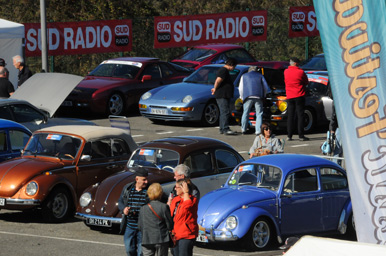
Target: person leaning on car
6, 87
133, 197
253, 88
223, 92
295, 87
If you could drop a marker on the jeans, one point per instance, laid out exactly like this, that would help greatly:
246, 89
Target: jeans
224, 106
184, 247
132, 239
259, 114
295, 104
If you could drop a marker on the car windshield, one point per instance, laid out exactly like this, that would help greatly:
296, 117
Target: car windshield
154, 157
315, 63
53, 145
116, 70
197, 54
208, 75
262, 176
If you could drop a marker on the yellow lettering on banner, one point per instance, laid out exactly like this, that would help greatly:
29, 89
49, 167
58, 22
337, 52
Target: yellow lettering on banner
343, 17
376, 126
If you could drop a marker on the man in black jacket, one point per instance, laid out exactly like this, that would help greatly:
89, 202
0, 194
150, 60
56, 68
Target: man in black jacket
133, 197
24, 72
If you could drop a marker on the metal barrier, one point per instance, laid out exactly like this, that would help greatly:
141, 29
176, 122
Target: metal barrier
339, 160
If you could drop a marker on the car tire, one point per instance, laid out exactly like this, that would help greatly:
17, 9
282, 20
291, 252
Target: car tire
211, 114
260, 235
115, 104
309, 120
58, 206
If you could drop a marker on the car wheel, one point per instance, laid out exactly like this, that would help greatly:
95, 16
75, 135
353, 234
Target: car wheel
57, 206
259, 235
309, 120
211, 114
115, 104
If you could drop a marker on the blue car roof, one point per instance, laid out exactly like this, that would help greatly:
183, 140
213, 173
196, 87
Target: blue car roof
11, 124
288, 162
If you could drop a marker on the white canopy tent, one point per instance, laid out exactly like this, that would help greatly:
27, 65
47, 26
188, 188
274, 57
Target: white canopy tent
11, 42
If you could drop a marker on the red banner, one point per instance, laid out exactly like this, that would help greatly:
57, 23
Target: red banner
302, 22
179, 31
84, 37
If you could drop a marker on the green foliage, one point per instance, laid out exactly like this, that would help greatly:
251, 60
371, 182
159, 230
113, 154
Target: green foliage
142, 12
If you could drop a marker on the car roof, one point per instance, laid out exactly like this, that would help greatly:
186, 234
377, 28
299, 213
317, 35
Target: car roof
88, 132
194, 142
8, 101
220, 47
137, 59
11, 124
288, 162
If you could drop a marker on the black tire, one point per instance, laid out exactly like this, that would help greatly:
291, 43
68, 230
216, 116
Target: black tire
115, 104
211, 114
58, 206
260, 236
309, 120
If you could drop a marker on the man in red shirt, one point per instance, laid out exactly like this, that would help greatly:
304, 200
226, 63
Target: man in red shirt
295, 87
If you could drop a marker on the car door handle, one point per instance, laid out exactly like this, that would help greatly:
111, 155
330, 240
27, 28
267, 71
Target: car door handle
319, 198
111, 166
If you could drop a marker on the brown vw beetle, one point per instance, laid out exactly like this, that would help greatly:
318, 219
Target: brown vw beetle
210, 161
58, 164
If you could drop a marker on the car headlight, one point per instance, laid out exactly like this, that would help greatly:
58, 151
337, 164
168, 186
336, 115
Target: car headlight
231, 222
146, 96
187, 99
31, 188
282, 106
85, 199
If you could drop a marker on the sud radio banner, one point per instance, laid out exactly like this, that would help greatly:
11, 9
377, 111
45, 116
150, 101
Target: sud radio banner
353, 34
84, 37
179, 31
302, 22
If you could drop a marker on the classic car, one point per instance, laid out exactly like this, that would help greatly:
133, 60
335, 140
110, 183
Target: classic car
35, 103
210, 161
202, 55
116, 84
315, 63
271, 197
13, 138
318, 106
58, 164
190, 100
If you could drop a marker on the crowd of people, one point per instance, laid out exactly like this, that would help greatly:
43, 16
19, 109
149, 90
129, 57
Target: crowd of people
152, 218
6, 87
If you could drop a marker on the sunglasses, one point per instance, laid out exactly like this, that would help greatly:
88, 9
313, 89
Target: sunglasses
266, 128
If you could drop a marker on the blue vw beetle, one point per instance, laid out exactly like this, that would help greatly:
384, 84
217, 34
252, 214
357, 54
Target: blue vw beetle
276, 196
13, 138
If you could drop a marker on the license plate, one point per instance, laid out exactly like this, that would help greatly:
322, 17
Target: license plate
67, 103
159, 111
2, 201
202, 238
99, 222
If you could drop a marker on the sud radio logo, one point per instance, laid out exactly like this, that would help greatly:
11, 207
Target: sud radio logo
258, 23
163, 32
297, 23
121, 35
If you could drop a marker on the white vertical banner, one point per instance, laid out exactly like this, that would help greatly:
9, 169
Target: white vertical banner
353, 34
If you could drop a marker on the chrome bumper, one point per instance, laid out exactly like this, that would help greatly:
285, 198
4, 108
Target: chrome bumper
221, 235
83, 216
25, 202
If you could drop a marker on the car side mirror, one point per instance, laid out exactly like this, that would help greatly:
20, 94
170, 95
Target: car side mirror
146, 78
85, 158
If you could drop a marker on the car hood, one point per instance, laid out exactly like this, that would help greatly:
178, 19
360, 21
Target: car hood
18, 172
96, 82
215, 206
52, 89
176, 92
106, 194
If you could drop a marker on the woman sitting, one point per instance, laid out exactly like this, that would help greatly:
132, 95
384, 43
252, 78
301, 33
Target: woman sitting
265, 143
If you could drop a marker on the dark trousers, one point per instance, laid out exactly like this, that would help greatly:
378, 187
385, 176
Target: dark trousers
224, 107
295, 105
184, 247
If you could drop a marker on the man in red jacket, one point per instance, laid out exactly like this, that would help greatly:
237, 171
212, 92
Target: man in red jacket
295, 87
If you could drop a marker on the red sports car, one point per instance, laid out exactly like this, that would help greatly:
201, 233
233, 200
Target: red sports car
117, 84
